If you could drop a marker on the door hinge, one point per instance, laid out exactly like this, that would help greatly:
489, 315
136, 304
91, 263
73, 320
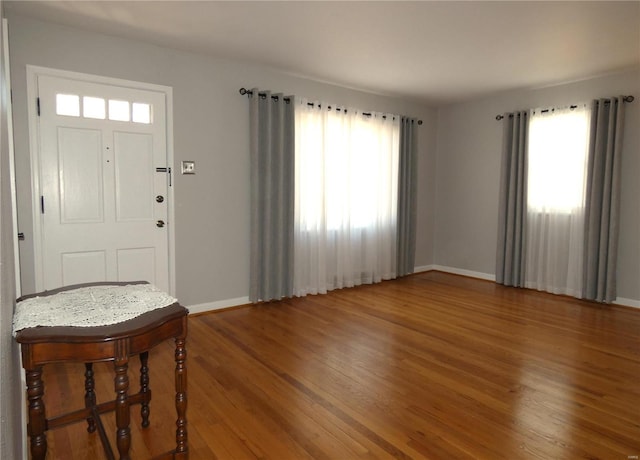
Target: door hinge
41, 204
38, 105
20, 236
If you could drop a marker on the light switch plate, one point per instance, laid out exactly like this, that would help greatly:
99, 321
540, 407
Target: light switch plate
188, 167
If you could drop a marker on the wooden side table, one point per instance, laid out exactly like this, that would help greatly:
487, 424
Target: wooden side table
117, 343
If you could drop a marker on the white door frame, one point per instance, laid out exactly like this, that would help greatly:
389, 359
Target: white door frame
33, 72
14, 217
12, 162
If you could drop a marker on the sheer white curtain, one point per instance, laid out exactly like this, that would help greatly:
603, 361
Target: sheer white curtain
346, 181
557, 165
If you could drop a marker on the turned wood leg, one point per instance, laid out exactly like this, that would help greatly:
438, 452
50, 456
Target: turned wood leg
144, 388
37, 421
123, 432
181, 395
89, 395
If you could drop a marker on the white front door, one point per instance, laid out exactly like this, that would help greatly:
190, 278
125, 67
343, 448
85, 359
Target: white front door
103, 204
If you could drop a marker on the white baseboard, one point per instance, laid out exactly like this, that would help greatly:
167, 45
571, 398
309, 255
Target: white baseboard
627, 302
227, 303
460, 271
423, 268
218, 305
486, 276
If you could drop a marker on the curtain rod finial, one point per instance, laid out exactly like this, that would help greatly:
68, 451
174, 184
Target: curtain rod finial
243, 91
499, 117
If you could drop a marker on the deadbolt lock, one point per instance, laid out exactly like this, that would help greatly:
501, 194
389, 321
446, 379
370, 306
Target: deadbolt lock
160, 223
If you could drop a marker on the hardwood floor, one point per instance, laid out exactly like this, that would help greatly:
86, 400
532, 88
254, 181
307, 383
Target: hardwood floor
431, 366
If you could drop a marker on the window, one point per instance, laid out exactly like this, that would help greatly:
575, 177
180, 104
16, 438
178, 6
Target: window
141, 113
93, 107
68, 105
96, 108
557, 166
118, 110
557, 161
346, 180
348, 168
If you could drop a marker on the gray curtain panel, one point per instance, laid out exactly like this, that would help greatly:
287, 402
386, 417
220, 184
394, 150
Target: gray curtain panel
603, 200
272, 159
510, 259
407, 197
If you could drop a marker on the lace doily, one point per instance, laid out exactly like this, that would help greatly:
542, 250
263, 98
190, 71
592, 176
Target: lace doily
90, 306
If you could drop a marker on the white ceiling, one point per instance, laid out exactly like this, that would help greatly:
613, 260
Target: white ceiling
438, 52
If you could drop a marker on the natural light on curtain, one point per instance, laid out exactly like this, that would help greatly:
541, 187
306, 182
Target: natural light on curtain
558, 160
346, 176
557, 165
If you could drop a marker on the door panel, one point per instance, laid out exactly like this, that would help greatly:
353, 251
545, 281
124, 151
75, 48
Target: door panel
134, 176
136, 262
83, 267
100, 146
80, 163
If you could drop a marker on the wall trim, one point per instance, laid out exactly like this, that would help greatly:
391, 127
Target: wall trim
238, 301
463, 272
486, 276
218, 305
423, 268
627, 302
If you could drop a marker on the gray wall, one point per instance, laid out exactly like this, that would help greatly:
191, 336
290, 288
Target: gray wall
10, 391
469, 143
210, 127
457, 206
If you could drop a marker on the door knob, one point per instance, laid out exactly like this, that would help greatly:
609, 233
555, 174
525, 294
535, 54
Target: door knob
159, 198
160, 223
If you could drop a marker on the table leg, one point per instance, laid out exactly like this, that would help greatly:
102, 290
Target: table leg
89, 395
181, 395
37, 421
123, 431
144, 388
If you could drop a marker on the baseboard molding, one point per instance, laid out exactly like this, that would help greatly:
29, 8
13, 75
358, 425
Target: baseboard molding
423, 268
228, 303
486, 276
460, 271
627, 302
218, 305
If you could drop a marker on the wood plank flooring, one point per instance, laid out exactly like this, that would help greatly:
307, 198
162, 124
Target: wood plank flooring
431, 366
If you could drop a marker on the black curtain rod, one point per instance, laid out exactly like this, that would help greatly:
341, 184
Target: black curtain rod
245, 91
624, 99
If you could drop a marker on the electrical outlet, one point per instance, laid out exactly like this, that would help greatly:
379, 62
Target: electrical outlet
188, 167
